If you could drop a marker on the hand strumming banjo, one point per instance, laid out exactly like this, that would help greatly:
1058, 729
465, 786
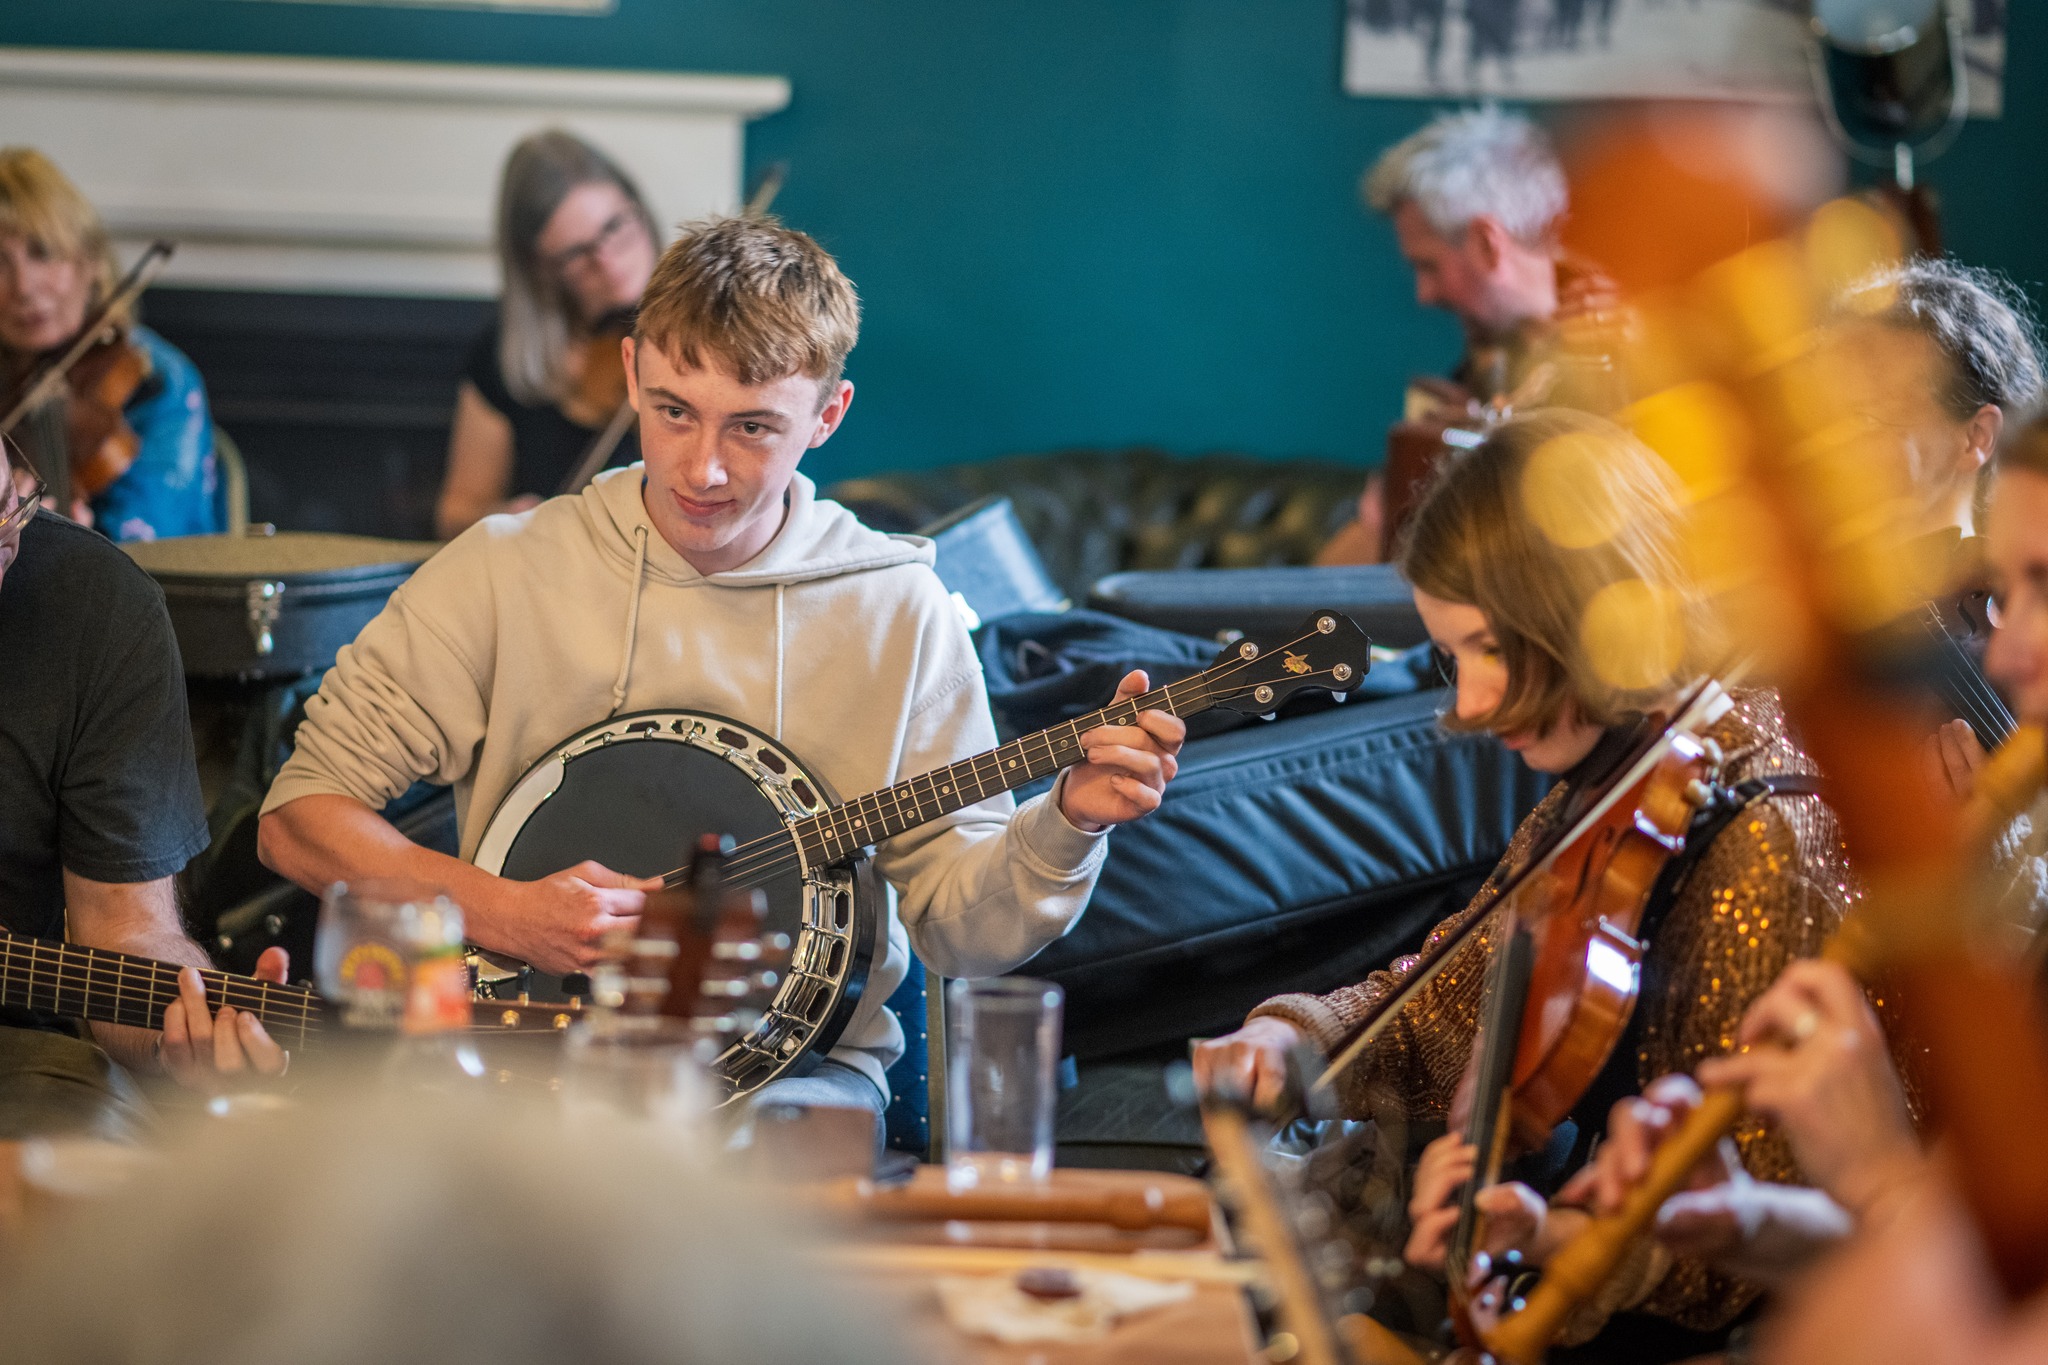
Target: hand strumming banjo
635, 793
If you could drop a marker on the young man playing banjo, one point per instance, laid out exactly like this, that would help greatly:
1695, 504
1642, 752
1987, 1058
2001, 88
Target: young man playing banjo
712, 578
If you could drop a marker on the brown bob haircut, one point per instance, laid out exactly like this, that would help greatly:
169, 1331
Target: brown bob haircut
1562, 529
754, 298
39, 202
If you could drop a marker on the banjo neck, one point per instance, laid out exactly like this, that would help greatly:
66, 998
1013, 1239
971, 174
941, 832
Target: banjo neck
107, 987
845, 830
1327, 652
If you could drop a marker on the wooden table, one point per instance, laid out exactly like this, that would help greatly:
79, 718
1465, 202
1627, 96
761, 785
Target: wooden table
904, 1256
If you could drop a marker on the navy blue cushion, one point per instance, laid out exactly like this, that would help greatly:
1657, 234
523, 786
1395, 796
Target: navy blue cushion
908, 1119
1297, 855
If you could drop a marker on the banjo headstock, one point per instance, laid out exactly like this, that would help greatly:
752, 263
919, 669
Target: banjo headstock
1257, 675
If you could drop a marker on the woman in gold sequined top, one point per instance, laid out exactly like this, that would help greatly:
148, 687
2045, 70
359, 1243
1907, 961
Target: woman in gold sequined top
1546, 565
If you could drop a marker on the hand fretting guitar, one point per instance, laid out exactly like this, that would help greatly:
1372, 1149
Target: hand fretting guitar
106, 987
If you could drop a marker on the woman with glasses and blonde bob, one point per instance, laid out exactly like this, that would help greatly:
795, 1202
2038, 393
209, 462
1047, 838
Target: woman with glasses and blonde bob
576, 245
56, 268
1547, 566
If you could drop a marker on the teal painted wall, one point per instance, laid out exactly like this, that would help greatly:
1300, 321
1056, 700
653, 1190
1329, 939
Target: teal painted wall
1073, 221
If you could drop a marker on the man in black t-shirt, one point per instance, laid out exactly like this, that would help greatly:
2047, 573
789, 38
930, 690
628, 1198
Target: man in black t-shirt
99, 808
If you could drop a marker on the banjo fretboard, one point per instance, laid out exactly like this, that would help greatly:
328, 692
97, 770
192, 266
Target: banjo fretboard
843, 831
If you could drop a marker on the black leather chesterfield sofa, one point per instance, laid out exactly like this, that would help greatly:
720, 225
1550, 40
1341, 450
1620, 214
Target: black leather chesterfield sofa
1092, 513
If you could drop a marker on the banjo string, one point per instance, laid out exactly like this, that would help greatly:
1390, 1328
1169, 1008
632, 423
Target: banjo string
782, 851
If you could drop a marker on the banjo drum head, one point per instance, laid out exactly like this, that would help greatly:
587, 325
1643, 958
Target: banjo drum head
636, 792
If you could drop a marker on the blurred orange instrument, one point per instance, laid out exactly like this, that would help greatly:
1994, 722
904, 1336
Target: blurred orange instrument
1800, 521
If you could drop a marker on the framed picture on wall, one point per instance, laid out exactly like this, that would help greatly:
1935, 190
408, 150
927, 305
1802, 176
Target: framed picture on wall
517, 6
1608, 49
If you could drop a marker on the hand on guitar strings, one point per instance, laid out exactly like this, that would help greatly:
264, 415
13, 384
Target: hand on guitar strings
1953, 757
1125, 768
220, 1051
568, 922
1516, 1218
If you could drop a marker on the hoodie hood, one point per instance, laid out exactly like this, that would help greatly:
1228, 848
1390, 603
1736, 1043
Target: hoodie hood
818, 539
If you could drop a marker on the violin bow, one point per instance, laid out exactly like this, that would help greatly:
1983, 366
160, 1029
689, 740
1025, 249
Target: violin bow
39, 389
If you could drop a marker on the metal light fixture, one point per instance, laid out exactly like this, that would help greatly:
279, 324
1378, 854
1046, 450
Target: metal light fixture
1891, 79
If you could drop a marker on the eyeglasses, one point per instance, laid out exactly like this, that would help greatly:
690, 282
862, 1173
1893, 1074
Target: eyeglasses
14, 515
584, 255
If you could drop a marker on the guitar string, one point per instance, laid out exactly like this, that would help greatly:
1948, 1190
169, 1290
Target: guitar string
776, 854
104, 971
1969, 689
94, 972
134, 989
773, 854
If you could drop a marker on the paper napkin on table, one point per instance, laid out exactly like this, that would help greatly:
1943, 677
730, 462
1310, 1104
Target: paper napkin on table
993, 1306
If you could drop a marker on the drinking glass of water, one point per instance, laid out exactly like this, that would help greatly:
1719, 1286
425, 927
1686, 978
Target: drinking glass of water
1003, 1045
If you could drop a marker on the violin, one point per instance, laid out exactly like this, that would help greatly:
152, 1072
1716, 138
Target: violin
601, 396
86, 443
1564, 982
1582, 891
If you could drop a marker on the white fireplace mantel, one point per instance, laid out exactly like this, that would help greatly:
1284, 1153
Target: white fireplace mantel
292, 173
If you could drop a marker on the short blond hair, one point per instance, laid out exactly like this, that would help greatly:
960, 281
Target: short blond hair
756, 298
1555, 509
39, 202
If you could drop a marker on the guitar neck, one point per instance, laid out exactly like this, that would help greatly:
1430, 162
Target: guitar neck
843, 831
106, 987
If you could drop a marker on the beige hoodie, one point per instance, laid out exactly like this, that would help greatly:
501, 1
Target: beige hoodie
837, 640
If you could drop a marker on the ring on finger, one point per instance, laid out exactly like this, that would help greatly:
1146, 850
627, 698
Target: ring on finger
1805, 1026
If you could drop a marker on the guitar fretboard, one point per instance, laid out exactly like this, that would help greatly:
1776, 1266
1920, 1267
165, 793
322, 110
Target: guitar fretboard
106, 987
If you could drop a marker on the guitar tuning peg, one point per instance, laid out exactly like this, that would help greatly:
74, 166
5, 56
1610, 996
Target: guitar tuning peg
1698, 794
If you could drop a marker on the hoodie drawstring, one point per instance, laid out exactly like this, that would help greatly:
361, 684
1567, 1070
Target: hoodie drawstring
633, 627
778, 662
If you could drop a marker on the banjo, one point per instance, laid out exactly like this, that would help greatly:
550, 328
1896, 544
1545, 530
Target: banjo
636, 792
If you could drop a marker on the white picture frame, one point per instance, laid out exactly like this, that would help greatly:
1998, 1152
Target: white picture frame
1614, 49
